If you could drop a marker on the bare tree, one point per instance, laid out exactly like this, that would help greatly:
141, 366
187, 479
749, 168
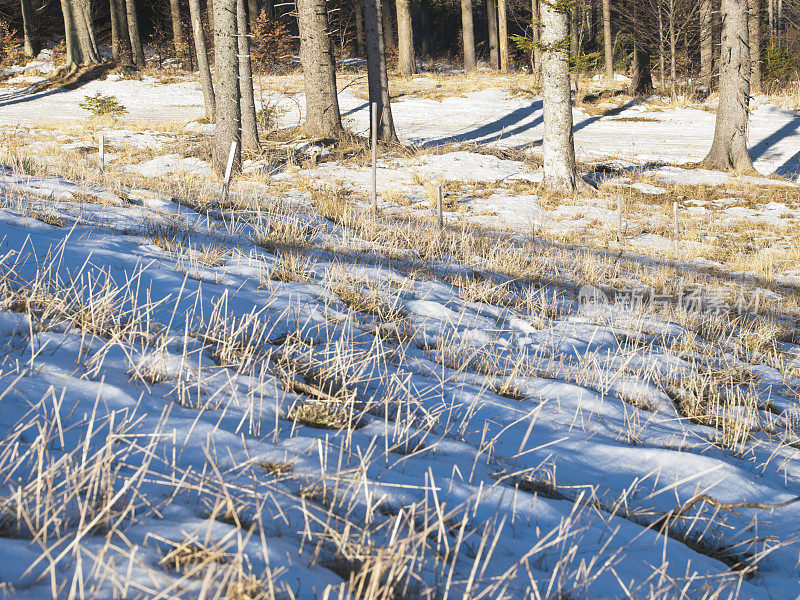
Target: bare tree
502, 23
202, 58
468, 35
560, 172
729, 149
246, 95
755, 45
406, 63
30, 41
133, 32
377, 79
706, 44
319, 71
608, 43
79, 34
226, 86
177, 29
494, 42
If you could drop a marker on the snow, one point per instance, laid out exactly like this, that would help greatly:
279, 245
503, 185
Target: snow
170, 164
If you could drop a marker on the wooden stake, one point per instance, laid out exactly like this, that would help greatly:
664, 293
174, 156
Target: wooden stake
229, 171
374, 133
439, 215
101, 150
677, 229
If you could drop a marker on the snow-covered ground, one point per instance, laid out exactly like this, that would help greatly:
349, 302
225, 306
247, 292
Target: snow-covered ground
289, 397
638, 131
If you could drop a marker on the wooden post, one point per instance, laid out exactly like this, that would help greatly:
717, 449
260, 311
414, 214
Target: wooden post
101, 151
228, 171
675, 224
374, 133
439, 215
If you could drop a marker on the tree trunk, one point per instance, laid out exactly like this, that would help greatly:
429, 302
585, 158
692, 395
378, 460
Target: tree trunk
673, 51
31, 42
642, 79
360, 43
210, 14
662, 73
755, 46
377, 79
468, 35
574, 34
608, 44
729, 149
125, 49
252, 13
319, 71
706, 44
771, 17
226, 86
494, 42
560, 172
247, 100
177, 29
79, 33
425, 29
536, 34
115, 42
133, 33
389, 36
202, 58
502, 26
406, 64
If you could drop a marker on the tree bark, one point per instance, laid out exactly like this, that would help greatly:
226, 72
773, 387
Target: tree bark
319, 71
706, 44
247, 100
491, 23
252, 13
79, 33
202, 59
673, 51
502, 23
536, 36
642, 79
115, 42
729, 149
574, 35
406, 64
608, 43
360, 43
125, 49
31, 42
177, 30
133, 33
560, 172
468, 35
755, 46
377, 79
389, 34
226, 86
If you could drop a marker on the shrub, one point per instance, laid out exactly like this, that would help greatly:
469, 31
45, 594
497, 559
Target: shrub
9, 44
101, 105
272, 47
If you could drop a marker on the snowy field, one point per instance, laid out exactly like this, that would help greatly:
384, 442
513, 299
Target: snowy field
283, 395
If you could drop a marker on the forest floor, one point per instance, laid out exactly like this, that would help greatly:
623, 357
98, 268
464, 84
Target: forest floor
281, 394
